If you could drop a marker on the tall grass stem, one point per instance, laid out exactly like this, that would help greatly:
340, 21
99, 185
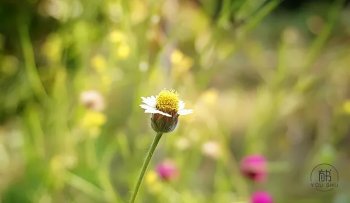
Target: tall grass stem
145, 165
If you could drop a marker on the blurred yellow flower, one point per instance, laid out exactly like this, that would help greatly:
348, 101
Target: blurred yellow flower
151, 177
119, 40
116, 36
139, 11
210, 97
176, 57
123, 51
52, 48
346, 107
99, 63
92, 121
152, 182
180, 63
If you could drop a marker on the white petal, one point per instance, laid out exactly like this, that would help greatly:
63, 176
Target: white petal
183, 112
150, 101
157, 111
144, 98
181, 105
145, 106
165, 114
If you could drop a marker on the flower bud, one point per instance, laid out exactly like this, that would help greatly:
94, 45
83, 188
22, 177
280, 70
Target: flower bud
163, 124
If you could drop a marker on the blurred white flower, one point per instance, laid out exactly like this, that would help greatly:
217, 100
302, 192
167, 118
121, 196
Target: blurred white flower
143, 66
93, 100
183, 143
211, 149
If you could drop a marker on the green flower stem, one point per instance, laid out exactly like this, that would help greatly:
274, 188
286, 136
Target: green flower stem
145, 165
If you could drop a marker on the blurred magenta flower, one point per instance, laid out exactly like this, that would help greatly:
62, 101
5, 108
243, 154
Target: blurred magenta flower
254, 167
261, 197
167, 170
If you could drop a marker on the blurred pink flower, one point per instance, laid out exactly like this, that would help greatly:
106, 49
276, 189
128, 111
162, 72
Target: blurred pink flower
261, 197
167, 170
254, 167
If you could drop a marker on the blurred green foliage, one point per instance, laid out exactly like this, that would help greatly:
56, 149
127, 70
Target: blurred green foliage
260, 78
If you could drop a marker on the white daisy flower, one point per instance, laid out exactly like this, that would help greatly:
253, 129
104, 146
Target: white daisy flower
165, 110
166, 103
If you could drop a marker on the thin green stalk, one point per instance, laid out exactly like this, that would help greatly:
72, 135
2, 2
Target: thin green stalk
84, 185
145, 165
258, 17
29, 61
90, 149
322, 38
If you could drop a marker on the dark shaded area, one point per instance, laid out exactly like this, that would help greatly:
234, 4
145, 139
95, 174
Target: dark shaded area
12, 13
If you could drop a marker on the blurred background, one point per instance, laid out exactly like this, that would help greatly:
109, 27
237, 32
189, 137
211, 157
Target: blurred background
263, 77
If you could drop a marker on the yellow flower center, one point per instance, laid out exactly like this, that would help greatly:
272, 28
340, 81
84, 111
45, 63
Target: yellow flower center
168, 101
